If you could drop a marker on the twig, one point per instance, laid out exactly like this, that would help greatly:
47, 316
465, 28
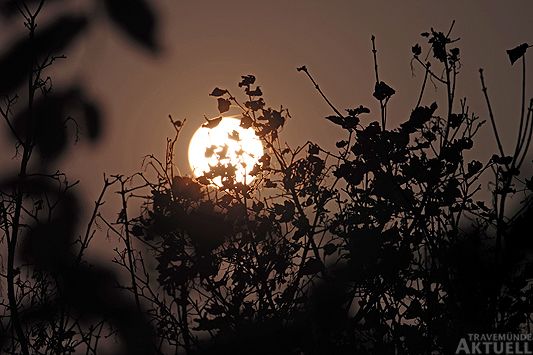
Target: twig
304, 69
491, 114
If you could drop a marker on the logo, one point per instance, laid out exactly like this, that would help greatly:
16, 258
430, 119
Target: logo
504, 343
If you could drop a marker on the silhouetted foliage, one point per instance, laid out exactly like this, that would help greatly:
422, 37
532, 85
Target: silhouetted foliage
136, 18
51, 299
380, 246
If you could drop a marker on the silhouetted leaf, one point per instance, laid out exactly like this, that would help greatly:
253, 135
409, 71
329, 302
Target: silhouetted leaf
349, 122
256, 92
255, 105
417, 50
529, 184
329, 248
223, 105
136, 18
341, 144
502, 160
382, 91
234, 135
209, 151
270, 184
473, 167
54, 38
51, 115
419, 117
203, 180
517, 52
246, 122
92, 116
312, 266
186, 188
212, 123
218, 92
454, 54
313, 149
137, 230
358, 110
299, 233
247, 80
455, 120
414, 310
335, 119
258, 206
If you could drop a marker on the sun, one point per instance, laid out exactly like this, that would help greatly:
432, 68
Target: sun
222, 141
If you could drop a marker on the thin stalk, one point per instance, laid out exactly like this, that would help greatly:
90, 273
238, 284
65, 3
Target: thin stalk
127, 241
376, 72
304, 69
491, 114
522, 131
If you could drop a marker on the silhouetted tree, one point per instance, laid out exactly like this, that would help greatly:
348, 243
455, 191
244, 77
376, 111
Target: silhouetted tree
55, 301
379, 247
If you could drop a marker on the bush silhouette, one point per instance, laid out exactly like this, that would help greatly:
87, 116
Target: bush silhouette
52, 300
379, 246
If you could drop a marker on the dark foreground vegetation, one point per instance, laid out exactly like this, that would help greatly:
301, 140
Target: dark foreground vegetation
380, 246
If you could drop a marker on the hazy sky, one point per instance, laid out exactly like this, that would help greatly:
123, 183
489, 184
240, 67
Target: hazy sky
212, 43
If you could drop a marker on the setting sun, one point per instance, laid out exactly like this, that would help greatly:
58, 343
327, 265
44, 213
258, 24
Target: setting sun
226, 143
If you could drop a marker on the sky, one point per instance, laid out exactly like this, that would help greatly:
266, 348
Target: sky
205, 44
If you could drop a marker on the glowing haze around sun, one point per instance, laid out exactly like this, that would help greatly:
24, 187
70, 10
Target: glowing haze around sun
227, 143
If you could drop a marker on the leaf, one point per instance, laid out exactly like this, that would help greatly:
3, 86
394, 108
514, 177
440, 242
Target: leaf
455, 52
246, 122
455, 119
517, 52
502, 160
341, 144
299, 233
336, 119
212, 123
473, 167
419, 117
218, 92
51, 115
136, 19
209, 151
529, 184
234, 136
223, 105
203, 180
255, 105
329, 248
416, 49
311, 267
256, 92
247, 80
270, 184
137, 230
258, 206
92, 117
358, 110
313, 149
382, 91
51, 40
414, 310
